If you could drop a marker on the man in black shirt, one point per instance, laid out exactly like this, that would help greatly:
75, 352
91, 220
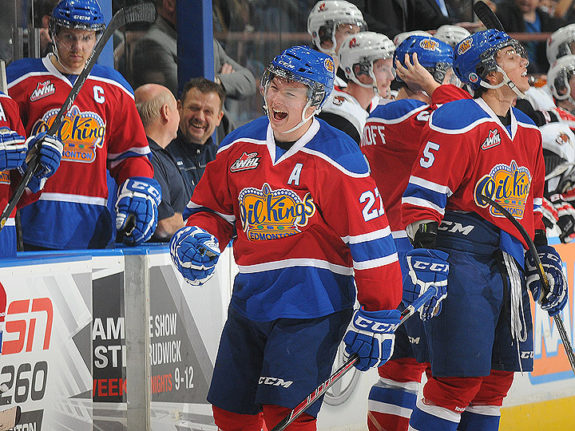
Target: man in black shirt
158, 110
200, 108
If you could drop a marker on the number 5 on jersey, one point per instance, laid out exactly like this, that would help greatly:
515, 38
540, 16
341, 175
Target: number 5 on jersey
428, 157
372, 204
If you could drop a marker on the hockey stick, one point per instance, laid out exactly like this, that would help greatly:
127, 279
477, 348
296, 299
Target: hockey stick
144, 12
9, 418
487, 16
533, 251
348, 365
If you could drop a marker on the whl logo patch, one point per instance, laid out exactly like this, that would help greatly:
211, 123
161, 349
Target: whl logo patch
492, 140
42, 90
246, 162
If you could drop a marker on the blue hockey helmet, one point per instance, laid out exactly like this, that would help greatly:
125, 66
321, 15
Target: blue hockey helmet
80, 14
433, 54
307, 66
475, 55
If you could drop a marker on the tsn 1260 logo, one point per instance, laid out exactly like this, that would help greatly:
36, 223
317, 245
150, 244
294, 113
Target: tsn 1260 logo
28, 328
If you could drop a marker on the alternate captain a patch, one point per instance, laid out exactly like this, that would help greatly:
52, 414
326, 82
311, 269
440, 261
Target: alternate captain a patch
508, 185
271, 214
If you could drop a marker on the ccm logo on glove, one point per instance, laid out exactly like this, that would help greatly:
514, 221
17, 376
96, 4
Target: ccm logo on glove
370, 325
431, 266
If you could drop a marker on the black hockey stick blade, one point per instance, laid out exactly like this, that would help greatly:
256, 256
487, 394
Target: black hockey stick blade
487, 16
9, 418
144, 12
544, 281
348, 365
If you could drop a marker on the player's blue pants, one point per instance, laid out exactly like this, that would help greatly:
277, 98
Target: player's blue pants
274, 363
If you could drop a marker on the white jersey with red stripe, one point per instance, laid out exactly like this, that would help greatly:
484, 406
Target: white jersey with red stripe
307, 222
101, 130
10, 118
466, 156
348, 109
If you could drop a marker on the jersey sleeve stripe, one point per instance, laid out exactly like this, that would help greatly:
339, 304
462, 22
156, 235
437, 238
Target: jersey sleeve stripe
355, 239
418, 181
130, 152
418, 202
289, 263
398, 119
77, 199
374, 263
368, 250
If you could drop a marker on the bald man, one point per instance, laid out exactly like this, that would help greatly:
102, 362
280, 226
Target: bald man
158, 110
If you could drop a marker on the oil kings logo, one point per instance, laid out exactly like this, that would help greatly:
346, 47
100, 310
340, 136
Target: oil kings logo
428, 44
43, 89
246, 162
81, 132
464, 46
270, 214
507, 185
4, 177
328, 63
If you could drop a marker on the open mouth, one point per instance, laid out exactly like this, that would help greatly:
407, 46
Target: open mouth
279, 115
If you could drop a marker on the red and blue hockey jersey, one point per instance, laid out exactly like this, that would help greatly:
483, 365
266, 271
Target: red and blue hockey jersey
467, 153
391, 140
306, 223
101, 130
9, 118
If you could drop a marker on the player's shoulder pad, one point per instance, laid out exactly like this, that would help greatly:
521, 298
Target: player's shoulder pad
339, 149
457, 115
254, 130
522, 117
19, 68
397, 109
109, 74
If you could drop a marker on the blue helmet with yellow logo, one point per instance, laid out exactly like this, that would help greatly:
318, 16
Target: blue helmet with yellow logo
307, 66
475, 55
433, 54
80, 14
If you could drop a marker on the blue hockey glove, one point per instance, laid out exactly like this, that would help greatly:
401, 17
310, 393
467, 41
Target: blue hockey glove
50, 155
371, 336
139, 196
195, 253
13, 149
427, 267
556, 299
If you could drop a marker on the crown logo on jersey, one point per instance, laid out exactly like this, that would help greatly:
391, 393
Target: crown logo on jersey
245, 162
464, 46
4, 177
507, 185
493, 140
42, 90
271, 214
428, 44
80, 132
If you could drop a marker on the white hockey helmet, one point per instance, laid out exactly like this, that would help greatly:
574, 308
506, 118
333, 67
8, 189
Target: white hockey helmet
358, 53
560, 43
451, 34
558, 78
326, 16
559, 155
402, 36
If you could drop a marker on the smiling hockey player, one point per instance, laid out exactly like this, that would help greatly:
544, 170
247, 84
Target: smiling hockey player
308, 225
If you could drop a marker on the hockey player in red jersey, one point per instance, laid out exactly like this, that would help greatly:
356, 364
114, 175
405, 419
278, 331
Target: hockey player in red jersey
101, 130
366, 59
484, 331
391, 142
308, 226
13, 151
